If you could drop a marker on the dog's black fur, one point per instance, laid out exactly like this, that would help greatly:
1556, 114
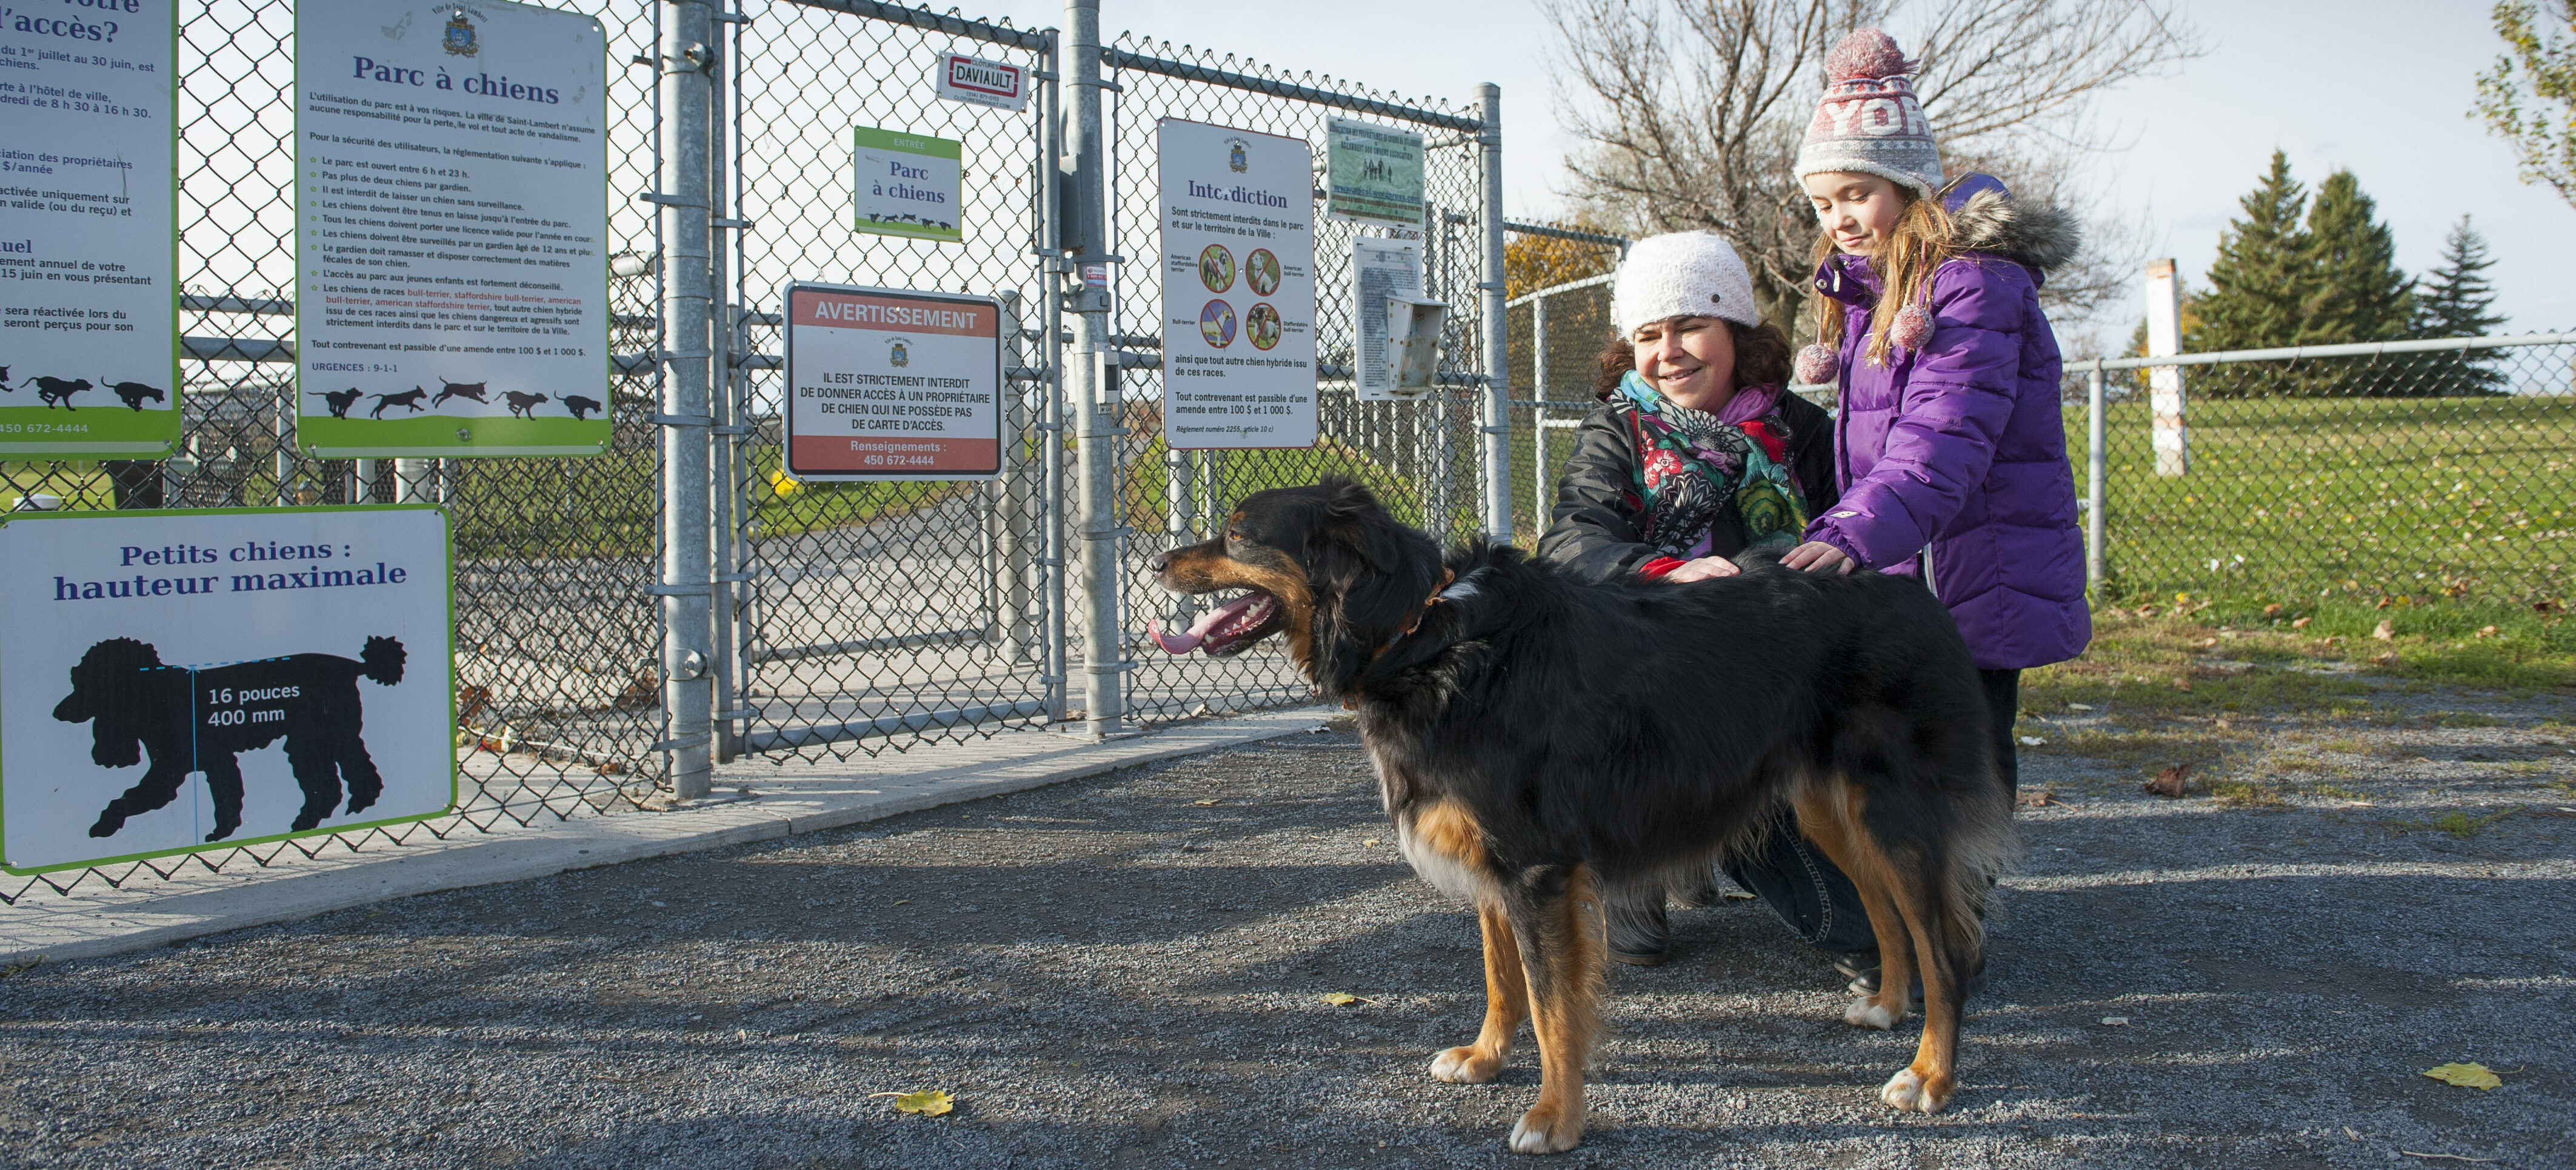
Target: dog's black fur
1539, 741
184, 720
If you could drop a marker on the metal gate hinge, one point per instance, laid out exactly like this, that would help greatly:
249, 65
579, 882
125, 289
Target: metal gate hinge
669, 200
682, 744
660, 590
674, 355
683, 420
1107, 534
733, 578
1091, 668
729, 223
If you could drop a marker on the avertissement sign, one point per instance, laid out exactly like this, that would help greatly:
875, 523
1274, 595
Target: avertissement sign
451, 222
889, 383
176, 681
89, 237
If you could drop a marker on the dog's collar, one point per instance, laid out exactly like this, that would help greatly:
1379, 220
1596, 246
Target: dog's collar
1460, 591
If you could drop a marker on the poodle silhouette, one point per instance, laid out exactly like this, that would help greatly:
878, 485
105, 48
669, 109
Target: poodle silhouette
341, 401
200, 719
447, 390
579, 406
134, 392
523, 405
410, 398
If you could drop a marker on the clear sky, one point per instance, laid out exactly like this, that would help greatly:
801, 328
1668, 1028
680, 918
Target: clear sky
2380, 86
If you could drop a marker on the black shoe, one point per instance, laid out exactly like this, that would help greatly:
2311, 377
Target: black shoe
1640, 935
1863, 970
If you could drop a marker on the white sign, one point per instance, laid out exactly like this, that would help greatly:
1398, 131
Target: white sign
451, 229
908, 184
89, 251
1380, 267
175, 681
1238, 247
961, 78
891, 384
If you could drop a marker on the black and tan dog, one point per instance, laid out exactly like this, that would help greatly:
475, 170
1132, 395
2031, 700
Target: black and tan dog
1540, 742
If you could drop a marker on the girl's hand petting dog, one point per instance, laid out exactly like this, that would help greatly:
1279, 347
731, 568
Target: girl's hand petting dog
1703, 569
1815, 556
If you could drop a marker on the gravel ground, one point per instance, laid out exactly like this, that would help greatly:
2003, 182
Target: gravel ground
1129, 971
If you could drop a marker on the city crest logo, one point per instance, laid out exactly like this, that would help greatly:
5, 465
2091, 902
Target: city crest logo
899, 351
1234, 157
460, 36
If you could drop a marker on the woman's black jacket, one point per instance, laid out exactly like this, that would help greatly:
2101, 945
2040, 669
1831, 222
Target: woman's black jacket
1593, 530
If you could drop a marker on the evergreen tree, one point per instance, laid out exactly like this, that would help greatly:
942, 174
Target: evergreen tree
2261, 280
2355, 291
2455, 302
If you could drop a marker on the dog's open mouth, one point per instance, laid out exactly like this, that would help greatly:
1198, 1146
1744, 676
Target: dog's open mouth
1227, 629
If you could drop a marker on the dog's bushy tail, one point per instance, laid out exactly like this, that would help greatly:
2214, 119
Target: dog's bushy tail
382, 660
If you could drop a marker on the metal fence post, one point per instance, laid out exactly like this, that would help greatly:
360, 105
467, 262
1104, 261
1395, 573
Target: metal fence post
688, 685
1539, 495
2096, 468
1017, 505
1094, 388
1498, 354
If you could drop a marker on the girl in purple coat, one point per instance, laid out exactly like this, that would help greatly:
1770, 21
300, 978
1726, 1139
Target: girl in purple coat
1949, 448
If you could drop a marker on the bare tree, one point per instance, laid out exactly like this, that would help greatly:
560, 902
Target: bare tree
1691, 111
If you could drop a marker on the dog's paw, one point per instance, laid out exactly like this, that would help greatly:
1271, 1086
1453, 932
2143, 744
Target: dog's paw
1867, 1012
1465, 1066
1547, 1131
106, 827
1911, 1091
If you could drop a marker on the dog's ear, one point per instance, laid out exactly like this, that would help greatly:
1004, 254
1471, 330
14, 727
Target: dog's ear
1371, 576
108, 693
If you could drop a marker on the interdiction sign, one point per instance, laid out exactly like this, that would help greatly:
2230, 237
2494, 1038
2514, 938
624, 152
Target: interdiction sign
964, 78
1238, 258
176, 681
451, 183
892, 384
89, 294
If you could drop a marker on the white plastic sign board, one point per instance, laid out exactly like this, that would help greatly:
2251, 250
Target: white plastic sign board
186, 680
1238, 256
1373, 173
1380, 268
892, 384
89, 240
909, 185
963, 78
451, 171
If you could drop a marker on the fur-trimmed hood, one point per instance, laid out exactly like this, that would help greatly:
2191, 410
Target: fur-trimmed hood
1988, 219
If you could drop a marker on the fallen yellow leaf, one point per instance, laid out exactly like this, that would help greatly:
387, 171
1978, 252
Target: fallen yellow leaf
1345, 999
928, 1103
2467, 1076
1370, 841
1202, 803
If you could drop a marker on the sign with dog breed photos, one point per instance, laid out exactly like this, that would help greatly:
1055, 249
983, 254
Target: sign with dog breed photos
89, 289
451, 198
187, 680
1238, 273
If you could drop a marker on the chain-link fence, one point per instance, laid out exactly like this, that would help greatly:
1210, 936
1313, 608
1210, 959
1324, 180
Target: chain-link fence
627, 620
2411, 472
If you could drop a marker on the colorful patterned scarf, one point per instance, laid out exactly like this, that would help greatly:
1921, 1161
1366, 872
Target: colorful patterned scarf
1690, 463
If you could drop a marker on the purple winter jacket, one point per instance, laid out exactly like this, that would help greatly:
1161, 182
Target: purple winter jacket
1960, 447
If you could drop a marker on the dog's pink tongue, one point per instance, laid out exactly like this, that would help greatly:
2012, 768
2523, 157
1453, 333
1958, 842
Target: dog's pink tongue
1185, 642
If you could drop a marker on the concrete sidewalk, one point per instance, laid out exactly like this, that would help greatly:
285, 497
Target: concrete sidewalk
800, 798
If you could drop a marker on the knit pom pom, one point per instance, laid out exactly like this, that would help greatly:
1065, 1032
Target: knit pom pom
1867, 52
1913, 326
1817, 366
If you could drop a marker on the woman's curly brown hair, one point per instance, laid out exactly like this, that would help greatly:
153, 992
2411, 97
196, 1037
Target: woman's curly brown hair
1761, 359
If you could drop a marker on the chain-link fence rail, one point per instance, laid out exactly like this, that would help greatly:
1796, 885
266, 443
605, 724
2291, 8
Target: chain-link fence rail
2416, 473
556, 640
1425, 458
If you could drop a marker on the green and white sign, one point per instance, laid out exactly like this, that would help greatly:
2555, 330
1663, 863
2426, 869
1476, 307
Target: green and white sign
89, 237
1373, 173
451, 195
908, 184
186, 680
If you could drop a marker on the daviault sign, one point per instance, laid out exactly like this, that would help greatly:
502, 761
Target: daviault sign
961, 78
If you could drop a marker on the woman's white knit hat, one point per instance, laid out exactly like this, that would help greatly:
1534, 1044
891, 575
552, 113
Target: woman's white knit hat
1683, 274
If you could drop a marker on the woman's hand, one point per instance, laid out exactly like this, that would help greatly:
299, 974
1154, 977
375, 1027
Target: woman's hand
1703, 569
1815, 556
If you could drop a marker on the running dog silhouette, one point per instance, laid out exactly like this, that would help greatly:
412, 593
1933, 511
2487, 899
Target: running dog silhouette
447, 390
56, 391
410, 398
134, 392
579, 406
341, 401
522, 404
202, 719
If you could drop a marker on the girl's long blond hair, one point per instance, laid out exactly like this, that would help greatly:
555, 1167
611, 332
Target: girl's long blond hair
1923, 240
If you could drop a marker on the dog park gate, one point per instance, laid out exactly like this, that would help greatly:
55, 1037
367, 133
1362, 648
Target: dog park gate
626, 620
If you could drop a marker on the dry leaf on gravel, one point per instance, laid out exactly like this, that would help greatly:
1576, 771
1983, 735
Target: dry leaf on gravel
2115, 1021
2031, 741
1344, 998
2039, 798
2171, 782
2079, 706
1202, 803
930, 1103
2467, 1076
